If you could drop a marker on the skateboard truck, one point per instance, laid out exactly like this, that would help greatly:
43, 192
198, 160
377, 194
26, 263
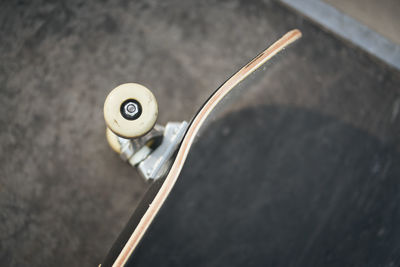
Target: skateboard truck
130, 112
157, 162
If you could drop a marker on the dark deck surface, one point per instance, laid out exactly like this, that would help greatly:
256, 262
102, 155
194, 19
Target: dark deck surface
298, 189
64, 195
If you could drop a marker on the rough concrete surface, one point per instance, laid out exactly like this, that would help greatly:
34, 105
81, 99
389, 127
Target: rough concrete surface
382, 16
64, 195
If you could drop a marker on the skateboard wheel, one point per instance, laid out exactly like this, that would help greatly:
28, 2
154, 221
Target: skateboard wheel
130, 110
112, 139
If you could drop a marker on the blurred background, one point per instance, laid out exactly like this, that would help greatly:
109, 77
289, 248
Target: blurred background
65, 195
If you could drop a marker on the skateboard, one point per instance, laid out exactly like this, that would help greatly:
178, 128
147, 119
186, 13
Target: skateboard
159, 152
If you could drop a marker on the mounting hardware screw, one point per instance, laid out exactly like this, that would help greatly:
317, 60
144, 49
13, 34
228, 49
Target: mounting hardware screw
131, 109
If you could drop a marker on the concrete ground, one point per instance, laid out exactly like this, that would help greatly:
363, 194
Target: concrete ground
381, 16
64, 195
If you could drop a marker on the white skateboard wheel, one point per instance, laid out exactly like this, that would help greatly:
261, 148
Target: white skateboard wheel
112, 139
130, 110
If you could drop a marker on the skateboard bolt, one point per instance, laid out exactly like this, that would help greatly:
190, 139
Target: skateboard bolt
131, 109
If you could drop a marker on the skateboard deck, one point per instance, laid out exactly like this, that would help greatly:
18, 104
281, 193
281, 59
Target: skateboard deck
123, 251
